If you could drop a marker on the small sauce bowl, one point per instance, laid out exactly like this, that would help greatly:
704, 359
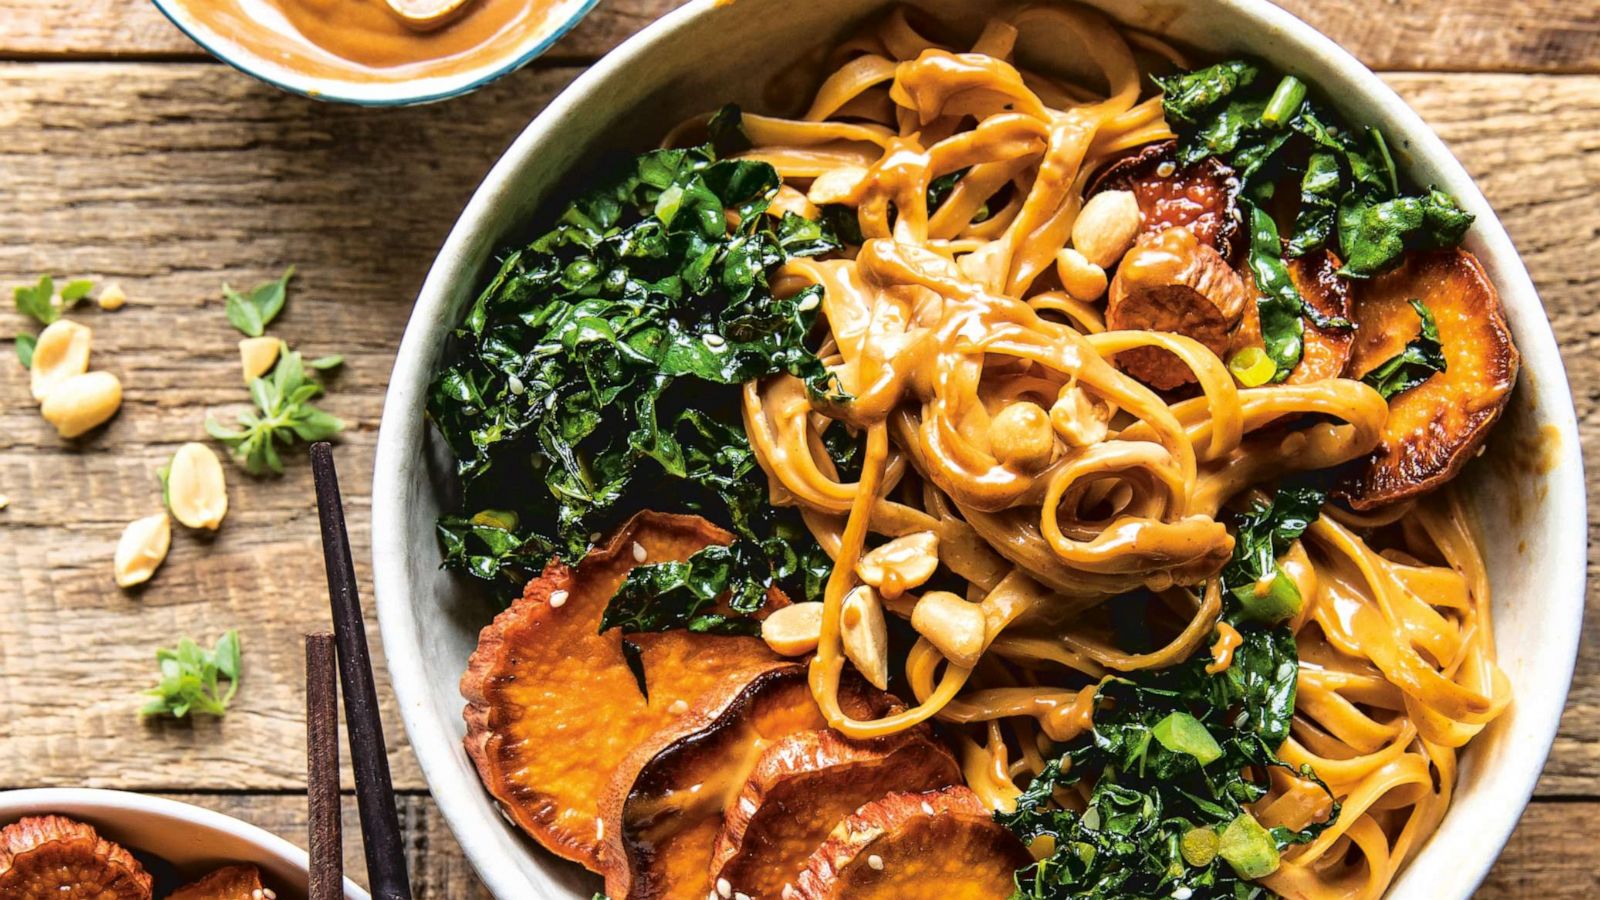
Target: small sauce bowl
360, 52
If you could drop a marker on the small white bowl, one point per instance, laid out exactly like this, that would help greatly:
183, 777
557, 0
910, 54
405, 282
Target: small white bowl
561, 17
1533, 513
192, 839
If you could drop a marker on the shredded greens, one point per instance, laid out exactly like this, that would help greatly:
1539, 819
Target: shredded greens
596, 375
1420, 359
191, 678
1252, 578
1169, 751
1271, 130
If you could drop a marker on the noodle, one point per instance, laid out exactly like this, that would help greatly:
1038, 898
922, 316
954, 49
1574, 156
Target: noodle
946, 317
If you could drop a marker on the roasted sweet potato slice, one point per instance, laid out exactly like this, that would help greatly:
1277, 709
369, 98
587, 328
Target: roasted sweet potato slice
1435, 427
1326, 351
665, 804
228, 883
941, 845
804, 785
58, 858
553, 706
1202, 198
1173, 282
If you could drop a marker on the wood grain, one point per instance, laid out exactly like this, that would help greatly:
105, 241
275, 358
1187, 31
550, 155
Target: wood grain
1463, 35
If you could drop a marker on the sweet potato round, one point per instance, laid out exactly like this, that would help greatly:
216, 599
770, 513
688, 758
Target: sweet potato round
55, 857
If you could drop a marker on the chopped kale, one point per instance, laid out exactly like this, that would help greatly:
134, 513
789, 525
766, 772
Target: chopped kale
1420, 359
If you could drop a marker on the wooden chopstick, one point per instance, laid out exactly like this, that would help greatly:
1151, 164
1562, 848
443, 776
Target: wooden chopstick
380, 827
322, 768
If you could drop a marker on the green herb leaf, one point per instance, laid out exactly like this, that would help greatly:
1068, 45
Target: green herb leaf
1280, 303
1420, 359
1374, 234
25, 345
286, 414
252, 312
37, 300
603, 361
1189, 96
1261, 535
191, 678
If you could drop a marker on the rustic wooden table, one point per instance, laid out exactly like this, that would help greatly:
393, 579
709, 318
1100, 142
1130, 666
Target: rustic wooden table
127, 155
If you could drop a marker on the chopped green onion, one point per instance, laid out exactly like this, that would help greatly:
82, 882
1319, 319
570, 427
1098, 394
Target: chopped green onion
1272, 599
1285, 102
1199, 846
1248, 848
1252, 366
1183, 733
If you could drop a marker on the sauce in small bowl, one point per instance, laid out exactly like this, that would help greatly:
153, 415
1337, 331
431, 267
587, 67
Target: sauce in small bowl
376, 52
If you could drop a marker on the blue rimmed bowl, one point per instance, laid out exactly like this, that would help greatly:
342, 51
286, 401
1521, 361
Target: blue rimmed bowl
215, 38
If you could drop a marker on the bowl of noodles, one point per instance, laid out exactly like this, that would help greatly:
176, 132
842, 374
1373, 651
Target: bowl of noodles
1065, 449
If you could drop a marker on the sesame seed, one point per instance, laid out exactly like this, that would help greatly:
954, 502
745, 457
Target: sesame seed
714, 341
927, 808
788, 892
1182, 893
638, 552
516, 385
255, 894
558, 599
740, 895
599, 829
594, 537
1166, 170
269, 894
678, 708
875, 863
748, 804
724, 889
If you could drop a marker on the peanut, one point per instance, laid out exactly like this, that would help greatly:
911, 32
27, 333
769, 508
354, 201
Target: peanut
141, 549
1083, 280
1106, 226
82, 402
865, 636
61, 352
197, 492
1020, 436
901, 564
1078, 418
793, 630
112, 297
257, 355
954, 626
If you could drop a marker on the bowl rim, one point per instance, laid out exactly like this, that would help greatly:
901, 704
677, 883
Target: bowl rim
71, 802
377, 95
1543, 375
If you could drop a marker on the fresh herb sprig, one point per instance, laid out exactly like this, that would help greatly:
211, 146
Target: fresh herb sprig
1270, 128
252, 312
191, 678
602, 360
284, 414
40, 302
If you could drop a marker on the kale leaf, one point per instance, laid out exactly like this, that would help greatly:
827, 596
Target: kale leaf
1420, 359
1261, 535
1148, 797
596, 375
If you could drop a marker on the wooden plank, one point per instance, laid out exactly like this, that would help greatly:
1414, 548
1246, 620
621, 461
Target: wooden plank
1463, 35
1541, 860
171, 179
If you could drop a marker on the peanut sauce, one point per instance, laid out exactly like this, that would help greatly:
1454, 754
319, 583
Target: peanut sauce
365, 41
1228, 640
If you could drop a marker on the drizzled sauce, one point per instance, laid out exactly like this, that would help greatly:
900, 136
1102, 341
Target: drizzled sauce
365, 41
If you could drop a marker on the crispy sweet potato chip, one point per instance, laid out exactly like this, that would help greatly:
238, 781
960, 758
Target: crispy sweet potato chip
58, 858
228, 883
1435, 427
552, 705
1173, 282
941, 845
1201, 197
804, 785
665, 804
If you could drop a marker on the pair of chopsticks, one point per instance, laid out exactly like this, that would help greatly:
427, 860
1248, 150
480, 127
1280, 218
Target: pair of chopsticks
380, 826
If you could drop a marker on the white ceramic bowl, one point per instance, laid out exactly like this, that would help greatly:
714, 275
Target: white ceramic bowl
1533, 516
560, 19
193, 840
